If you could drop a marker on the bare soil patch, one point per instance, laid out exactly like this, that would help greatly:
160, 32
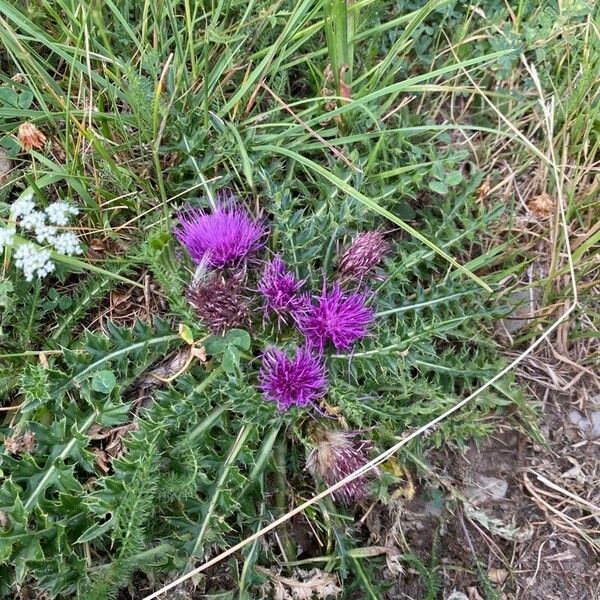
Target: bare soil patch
512, 519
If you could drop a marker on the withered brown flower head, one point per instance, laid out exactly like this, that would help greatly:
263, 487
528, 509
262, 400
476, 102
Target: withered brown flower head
542, 206
18, 443
336, 455
366, 251
219, 301
30, 137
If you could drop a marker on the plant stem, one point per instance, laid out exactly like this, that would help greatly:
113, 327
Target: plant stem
281, 496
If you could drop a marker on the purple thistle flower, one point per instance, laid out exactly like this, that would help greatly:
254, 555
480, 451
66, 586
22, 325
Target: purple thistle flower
219, 302
221, 237
281, 290
365, 253
339, 317
336, 455
289, 381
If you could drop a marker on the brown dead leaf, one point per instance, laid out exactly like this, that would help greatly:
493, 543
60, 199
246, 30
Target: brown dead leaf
43, 360
174, 366
304, 585
102, 460
117, 298
484, 189
474, 594
497, 575
112, 445
5, 165
115, 447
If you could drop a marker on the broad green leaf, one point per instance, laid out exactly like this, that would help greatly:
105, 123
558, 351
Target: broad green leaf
439, 187
453, 178
104, 382
239, 338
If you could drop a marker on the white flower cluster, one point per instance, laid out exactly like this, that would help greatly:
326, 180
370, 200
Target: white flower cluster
33, 261
59, 212
43, 225
7, 235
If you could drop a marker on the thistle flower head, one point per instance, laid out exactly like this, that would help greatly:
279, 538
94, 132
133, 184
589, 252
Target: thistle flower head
219, 301
296, 381
30, 136
336, 455
281, 290
336, 316
219, 238
365, 252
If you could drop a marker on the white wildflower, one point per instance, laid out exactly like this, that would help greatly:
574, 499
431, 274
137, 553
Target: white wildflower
59, 212
33, 261
45, 233
67, 244
33, 220
7, 236
23, 206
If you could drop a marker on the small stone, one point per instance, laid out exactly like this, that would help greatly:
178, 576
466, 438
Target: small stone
487, 489
474, 594
525, 304
588, 426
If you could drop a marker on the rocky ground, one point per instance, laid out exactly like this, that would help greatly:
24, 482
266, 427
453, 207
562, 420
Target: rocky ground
514, 519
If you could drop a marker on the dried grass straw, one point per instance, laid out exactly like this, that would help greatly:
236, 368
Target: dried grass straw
548, 111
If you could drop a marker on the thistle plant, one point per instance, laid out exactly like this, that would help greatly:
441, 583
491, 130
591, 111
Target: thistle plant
220, 241
227, 236
215, 361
